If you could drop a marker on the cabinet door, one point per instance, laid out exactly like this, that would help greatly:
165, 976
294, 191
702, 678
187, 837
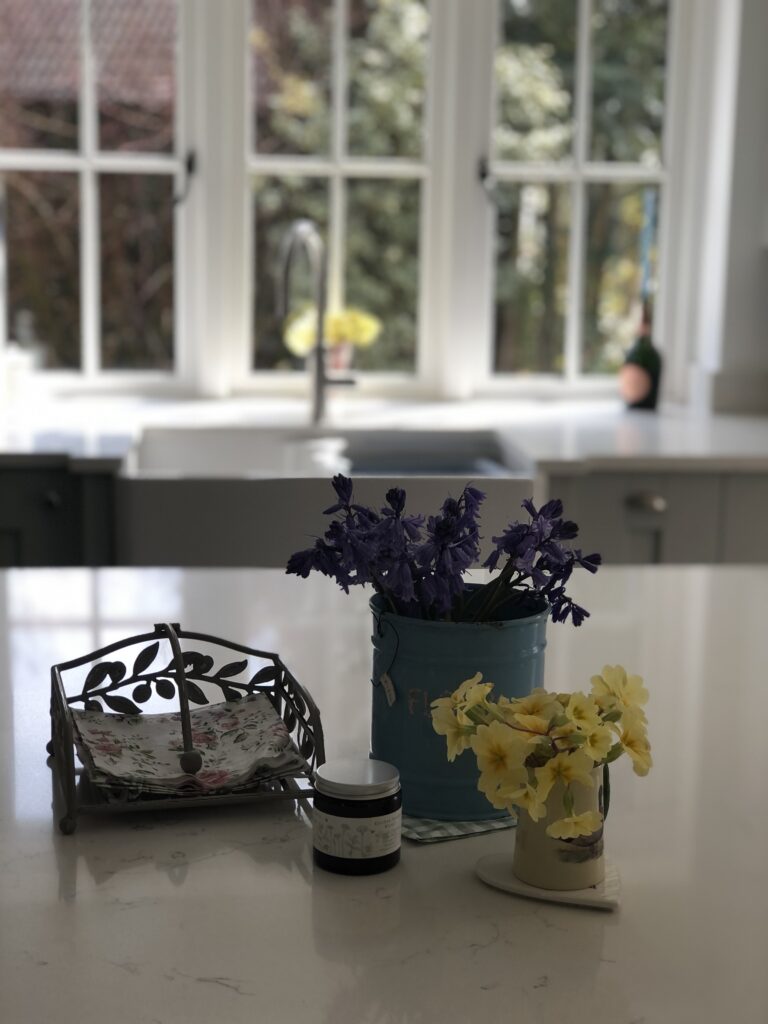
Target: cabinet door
52, 516
642, 518
745, 513
38, 517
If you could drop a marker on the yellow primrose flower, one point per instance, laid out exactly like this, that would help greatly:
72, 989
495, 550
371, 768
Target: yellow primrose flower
628, 690
583, 712
458, 696
495, 786
445, 723
499, 751
300, 332
534, 725
634, 717
575, 825
463, 689
562, 732
606, 702
598, 742
564, 767
635, 742
352, 325
527, 798
477, 695
347, 325
538, 702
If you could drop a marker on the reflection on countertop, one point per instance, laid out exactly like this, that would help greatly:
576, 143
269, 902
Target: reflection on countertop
218, 915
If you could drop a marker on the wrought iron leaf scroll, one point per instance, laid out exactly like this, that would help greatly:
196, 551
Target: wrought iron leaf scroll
107, 677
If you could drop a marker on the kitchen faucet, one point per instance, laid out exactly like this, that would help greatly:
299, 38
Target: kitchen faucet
303, 235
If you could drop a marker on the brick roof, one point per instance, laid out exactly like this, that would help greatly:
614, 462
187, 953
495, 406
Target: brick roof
133, 41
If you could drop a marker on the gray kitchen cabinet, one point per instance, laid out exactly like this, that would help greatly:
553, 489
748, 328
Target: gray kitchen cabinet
644, 517
55, 511
745, 513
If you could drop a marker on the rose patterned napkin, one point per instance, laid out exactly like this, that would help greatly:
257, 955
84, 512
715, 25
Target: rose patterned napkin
240, 742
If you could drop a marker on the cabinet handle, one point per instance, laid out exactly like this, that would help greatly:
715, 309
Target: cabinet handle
53, 499
646, 502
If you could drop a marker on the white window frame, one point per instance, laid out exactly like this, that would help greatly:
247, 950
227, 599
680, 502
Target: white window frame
337, 169
88, 161
479, 377
212, 243
455, 342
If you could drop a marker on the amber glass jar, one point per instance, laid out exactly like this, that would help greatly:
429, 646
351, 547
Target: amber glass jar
357, 817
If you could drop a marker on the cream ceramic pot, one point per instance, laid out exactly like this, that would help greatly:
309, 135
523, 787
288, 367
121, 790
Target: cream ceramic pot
563, 864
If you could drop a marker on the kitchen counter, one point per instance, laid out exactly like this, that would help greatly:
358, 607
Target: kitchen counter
218, 916
551, 434
670, 486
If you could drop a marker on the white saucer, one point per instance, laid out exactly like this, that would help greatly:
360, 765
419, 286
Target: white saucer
496, 870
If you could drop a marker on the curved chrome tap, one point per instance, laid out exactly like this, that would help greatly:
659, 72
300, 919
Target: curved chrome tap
304, 236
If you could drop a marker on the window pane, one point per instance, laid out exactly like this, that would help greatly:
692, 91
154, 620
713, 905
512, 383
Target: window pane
277, 203
534, 71
136, 220
382, 268
629, 39
43, 255
387, 61
291, 75
134, 46
620, 269
531, 278
39, 73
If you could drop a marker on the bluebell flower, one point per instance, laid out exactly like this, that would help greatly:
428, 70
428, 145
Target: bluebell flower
418, 563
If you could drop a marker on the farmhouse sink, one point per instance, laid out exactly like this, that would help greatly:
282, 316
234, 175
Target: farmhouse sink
229, 496
254, 452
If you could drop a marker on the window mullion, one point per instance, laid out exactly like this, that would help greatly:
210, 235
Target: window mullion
337, 185
90, 284
675, 276
460, 216
4, 326
577, 245
181, 145
217, 210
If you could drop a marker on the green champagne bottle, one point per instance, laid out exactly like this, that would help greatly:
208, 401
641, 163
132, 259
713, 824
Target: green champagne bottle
640, 375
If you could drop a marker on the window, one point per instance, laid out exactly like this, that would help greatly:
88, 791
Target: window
87, 178
338, 123
372, 117
580, 91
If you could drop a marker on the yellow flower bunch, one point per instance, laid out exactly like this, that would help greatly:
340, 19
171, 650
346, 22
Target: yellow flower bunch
525, 746
350, 325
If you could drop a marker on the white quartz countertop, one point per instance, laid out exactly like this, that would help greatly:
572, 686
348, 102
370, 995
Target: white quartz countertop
554, 435
217, 916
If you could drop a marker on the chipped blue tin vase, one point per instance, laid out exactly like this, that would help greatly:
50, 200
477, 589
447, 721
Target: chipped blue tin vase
415, 661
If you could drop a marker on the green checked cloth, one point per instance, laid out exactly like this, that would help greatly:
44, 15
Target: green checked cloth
427, 830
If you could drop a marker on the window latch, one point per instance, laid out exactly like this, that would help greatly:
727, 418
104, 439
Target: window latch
190, 167
487, 181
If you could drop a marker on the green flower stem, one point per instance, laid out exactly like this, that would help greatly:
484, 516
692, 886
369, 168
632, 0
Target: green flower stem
606, 789
498, 591
379, 587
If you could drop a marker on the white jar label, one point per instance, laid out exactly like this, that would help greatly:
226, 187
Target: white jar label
356, 838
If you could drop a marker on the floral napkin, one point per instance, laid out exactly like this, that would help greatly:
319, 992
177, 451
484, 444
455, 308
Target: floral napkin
241, 742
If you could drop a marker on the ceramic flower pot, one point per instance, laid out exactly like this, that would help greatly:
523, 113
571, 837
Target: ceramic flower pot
339, 356
563, 864
425, 660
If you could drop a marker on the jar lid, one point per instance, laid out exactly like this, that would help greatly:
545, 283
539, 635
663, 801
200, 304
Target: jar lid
357, 779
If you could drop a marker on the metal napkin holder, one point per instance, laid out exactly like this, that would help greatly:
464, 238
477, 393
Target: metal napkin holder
77, 794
